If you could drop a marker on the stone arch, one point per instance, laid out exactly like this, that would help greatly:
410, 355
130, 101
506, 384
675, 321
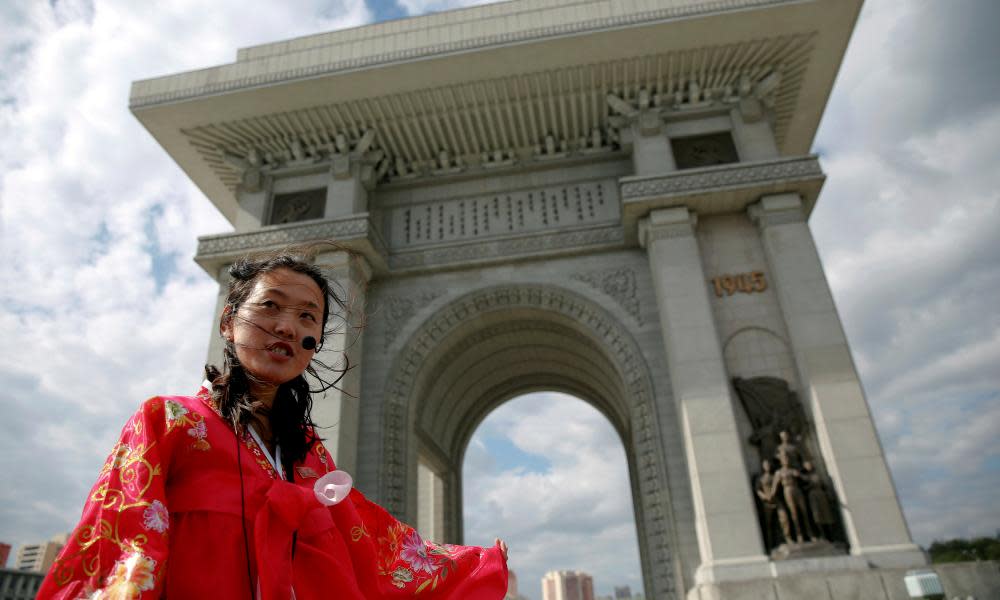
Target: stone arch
492, 344
754, 351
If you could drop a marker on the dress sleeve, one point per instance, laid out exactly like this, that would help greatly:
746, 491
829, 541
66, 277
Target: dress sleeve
119, 548
392, 561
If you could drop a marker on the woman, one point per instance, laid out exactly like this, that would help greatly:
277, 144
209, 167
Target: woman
230, 494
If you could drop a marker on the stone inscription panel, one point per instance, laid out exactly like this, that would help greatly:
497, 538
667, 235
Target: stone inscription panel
504, 214
745, 283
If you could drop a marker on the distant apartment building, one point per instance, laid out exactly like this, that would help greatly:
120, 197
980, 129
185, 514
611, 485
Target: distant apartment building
623, 593
567, 585
4, 554
38, 558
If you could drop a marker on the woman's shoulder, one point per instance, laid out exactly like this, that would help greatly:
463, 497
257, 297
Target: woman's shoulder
175, 406
165, 413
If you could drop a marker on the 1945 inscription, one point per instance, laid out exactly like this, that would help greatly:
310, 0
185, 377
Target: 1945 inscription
745, 283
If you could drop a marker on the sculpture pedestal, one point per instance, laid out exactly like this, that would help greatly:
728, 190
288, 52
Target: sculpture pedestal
810, 549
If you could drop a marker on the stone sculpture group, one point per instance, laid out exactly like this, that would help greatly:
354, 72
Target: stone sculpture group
796, 496
795, 503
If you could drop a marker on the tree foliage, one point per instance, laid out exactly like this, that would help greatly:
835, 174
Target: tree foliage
960, 550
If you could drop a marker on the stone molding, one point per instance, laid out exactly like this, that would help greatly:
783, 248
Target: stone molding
528, 35
662, 232
297, 233
500, 249
619, 284
777, 210
712, 179
400, 394
667, 223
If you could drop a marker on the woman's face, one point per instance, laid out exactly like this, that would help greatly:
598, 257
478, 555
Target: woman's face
284, 307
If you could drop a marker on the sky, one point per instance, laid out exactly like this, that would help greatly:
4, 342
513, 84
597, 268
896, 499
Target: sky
101, 305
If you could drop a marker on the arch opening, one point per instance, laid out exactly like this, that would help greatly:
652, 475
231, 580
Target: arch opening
483, 349
550, 472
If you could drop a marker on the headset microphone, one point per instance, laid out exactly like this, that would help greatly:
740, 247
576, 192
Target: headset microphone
308, 342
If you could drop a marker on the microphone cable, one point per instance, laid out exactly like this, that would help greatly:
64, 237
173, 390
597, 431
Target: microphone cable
243, 512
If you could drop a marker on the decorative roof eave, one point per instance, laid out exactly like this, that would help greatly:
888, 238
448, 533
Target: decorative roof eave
534, 117
179, 125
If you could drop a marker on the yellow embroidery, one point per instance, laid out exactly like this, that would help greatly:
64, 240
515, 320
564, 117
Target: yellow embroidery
136, 474
132, 576
358, 532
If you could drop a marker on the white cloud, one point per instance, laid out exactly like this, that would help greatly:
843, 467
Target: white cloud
576, 513
907, 228
420, 7
101, 303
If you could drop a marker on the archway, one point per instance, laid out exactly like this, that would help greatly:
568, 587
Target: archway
490, 345
549, 472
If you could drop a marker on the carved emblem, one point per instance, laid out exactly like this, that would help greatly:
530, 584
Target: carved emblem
399, 309
617, 283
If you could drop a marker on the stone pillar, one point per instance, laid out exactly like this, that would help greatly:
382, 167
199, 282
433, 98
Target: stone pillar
651, 150
346, 193
831, 388
752, 133
252, 204
430, 503
729, 537
215, 341
336, 411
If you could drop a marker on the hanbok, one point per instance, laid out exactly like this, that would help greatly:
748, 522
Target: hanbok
171, 516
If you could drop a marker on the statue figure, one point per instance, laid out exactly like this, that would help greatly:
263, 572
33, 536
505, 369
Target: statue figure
550, 145
298, 151
795, 502
771, 406
595, 138
819, 501
785, 446
771, 507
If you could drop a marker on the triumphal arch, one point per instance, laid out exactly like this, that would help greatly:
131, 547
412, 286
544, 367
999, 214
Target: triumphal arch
604, 197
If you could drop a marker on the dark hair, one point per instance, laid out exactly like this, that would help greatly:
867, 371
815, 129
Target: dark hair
290, 414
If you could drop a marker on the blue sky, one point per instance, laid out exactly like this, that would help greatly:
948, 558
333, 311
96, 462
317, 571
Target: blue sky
101, 305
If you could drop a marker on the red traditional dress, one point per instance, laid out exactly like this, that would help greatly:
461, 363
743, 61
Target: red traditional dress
165, 520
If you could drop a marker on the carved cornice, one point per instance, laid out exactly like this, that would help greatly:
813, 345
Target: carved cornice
282, 235
717, 178
355, 234
500, 249
510, 37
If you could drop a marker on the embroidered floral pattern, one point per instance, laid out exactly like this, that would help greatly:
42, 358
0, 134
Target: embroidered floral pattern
199, 432
258, 456
415, 553
120, 548
119, 456
156, 517
401, 576
174, 411
131, 576
408, 560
